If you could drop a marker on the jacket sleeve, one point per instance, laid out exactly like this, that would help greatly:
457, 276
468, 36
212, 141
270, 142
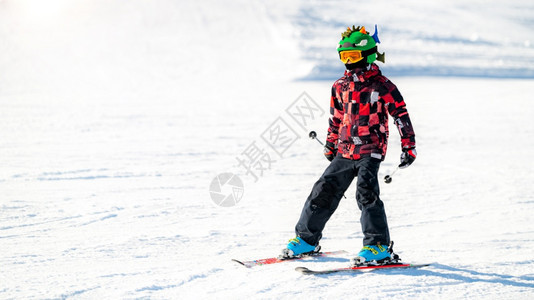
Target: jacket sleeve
397, 109
336, 117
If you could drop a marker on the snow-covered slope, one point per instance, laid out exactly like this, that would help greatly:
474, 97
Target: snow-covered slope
444, 38
116, 116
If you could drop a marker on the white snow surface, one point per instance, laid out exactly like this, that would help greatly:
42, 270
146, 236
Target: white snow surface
115, 117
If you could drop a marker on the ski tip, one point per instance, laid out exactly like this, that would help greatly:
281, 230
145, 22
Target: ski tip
420, 265
240, 262
303, 270
237, 261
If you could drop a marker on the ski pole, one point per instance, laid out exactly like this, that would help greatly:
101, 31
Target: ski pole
313, 136
388, 178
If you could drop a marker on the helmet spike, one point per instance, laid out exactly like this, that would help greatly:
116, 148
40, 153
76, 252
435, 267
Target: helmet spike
381, 56
375, 35
347, 33
362, 30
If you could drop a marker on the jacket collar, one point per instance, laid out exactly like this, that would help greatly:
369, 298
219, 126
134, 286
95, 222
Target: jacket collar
363, 74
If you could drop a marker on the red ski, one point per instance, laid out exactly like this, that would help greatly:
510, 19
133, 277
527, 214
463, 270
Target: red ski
307, 271
275, 260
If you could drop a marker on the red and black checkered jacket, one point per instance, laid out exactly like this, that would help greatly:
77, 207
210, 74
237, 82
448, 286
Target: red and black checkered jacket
359, 107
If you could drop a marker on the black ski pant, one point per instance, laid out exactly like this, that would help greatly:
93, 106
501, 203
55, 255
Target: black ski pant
327, 192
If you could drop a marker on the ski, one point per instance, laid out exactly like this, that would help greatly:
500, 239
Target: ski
275, 260
307, 271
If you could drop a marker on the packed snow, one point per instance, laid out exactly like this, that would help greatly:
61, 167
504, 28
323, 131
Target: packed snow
117, 117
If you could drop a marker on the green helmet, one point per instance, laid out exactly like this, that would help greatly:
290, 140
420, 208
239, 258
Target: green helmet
357, 44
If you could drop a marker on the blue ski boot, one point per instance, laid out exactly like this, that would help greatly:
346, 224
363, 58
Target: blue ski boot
372, 254
297, 247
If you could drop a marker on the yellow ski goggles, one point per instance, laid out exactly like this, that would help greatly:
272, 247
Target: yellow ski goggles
350, 56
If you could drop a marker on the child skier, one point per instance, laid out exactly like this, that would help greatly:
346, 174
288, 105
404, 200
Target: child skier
356, 145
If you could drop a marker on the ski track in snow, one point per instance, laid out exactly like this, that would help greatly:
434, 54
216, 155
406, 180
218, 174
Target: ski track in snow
107, 154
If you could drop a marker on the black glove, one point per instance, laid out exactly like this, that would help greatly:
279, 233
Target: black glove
330, 150
407, 157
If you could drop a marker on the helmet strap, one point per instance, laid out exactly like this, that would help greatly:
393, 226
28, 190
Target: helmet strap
368, 52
